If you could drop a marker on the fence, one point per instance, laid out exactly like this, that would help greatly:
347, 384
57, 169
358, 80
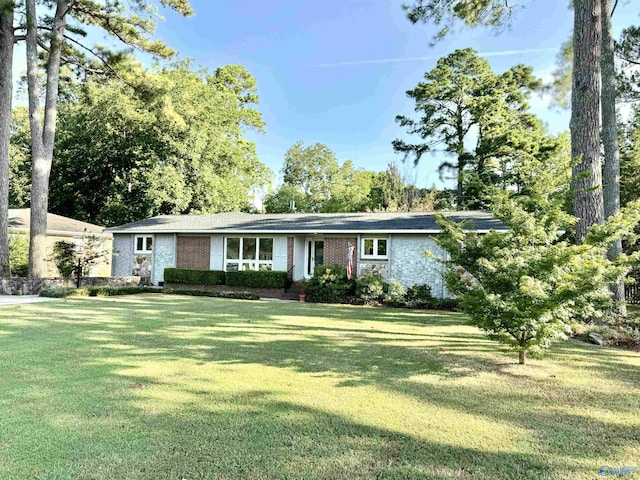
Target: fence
632, 293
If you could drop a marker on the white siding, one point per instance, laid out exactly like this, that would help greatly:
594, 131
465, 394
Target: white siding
216, 255
298, 258
280, 253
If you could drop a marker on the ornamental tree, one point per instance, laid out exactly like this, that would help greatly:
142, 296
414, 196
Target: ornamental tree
525, 287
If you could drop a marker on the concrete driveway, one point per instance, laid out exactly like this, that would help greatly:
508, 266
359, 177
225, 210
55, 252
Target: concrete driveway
19, 299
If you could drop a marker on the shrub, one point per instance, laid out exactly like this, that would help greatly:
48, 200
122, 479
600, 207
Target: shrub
371, 288
396, 294
194, 277
448, 304
419, 295
204, 293
67, 258
617, 331
257, 279
62, 292
329, 284
112, 291
64, 256
18, 255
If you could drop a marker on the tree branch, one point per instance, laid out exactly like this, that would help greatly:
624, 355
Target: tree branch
99, 57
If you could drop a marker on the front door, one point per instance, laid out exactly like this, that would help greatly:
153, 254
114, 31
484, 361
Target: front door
314, 255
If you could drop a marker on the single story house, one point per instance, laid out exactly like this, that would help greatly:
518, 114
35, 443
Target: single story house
392, 244
66, 229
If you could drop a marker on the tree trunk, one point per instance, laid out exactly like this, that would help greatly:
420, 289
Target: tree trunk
611, 169
521, 356
6, 91
42, 139
585, 116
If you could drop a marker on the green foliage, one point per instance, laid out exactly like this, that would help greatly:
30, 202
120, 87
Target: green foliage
355, 190
62, 292
329, 284
312, 170
194, 277
19, 159
495, 14
64, 256
396, 294
419, 294
280, 200
463, 98
176, 147
18, 255
205, 293
618, 331
257, 279
371, 288
628, 52
67, 257
525, 287
562, 83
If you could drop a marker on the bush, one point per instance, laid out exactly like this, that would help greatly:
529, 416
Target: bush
448, 304
619, 332
194, 277
62, 292
64, 257
396, 294
18, 255
419, 295
329, 284
257, 279
204, 293
371, 288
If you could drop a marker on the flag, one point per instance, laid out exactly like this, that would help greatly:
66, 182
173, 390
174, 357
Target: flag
350, 254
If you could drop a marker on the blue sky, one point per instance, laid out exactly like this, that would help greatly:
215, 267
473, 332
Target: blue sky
336, 71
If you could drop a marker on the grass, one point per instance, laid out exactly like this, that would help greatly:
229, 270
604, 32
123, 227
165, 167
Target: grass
167, 387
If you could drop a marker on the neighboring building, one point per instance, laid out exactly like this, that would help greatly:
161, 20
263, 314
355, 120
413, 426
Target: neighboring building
66, 229
392, 244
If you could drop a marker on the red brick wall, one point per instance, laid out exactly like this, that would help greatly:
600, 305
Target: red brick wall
335, 250
194, 252
290, 257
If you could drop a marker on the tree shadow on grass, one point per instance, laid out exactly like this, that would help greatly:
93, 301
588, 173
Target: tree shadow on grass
358, 356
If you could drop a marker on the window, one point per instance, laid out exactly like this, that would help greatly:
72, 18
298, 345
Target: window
144, 244
248, 253
374, 248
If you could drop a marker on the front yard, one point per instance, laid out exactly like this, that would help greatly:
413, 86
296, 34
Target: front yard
169, 387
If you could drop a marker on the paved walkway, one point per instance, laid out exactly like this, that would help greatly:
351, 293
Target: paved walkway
18, 299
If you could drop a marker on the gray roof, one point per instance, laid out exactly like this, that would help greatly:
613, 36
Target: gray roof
307, 223
20, 220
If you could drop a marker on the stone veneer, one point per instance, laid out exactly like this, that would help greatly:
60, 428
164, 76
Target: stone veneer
122, 264
24, 286
410, 266
164, 255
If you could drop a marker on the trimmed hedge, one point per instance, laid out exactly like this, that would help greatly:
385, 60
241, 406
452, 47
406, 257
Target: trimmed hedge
63, 292
194, 277
205, 293
257, 279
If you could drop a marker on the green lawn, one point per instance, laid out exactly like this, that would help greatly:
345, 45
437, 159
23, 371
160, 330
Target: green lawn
169, 387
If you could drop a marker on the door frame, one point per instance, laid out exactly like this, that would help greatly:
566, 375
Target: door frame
309, 254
